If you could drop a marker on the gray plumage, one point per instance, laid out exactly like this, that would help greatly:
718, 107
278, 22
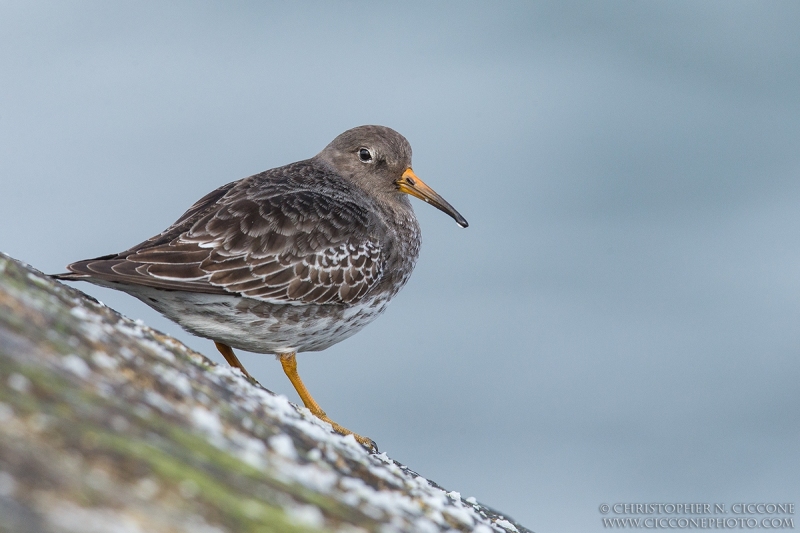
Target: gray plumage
292, 259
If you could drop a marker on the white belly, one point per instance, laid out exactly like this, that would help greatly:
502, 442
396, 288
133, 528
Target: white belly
257, 326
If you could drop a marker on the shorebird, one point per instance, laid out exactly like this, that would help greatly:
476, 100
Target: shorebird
294, 259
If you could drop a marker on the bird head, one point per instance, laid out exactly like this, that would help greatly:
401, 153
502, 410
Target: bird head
378, 159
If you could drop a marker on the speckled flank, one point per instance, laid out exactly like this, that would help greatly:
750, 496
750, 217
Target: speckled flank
261, 327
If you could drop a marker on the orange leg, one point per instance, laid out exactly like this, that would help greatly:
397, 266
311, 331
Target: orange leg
230, 357
289, 363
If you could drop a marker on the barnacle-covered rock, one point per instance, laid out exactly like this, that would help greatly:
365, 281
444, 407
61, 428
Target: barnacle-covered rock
109, 426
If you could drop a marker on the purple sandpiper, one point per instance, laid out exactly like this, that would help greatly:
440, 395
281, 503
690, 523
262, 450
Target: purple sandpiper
293, 259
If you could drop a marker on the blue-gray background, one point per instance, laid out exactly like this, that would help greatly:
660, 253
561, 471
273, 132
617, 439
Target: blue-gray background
621, 320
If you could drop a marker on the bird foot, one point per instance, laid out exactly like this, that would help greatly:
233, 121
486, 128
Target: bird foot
366, 442
289, 364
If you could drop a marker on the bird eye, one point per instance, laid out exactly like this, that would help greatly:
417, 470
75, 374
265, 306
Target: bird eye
365, 155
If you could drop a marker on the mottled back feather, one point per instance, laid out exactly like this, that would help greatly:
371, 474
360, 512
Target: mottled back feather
294, 234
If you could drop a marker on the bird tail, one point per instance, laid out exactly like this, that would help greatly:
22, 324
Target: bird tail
68, 276
79, 270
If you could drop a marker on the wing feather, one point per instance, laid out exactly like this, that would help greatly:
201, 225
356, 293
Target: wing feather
271, 237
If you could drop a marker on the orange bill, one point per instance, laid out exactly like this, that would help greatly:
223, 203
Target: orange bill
409, 183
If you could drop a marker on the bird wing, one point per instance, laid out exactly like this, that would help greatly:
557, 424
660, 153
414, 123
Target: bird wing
277, 244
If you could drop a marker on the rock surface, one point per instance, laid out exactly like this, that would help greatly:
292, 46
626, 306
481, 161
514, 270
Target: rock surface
109, 426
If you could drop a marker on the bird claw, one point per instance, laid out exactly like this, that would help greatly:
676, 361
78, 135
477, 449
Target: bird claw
367, 443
